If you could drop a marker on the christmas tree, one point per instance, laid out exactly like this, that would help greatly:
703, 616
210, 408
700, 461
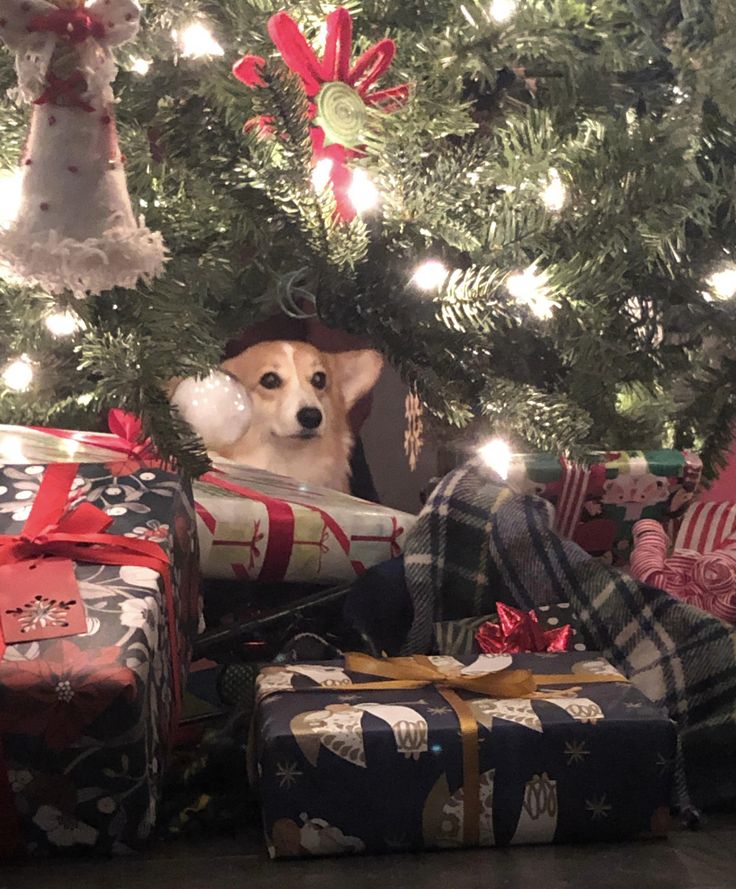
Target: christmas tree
529, 208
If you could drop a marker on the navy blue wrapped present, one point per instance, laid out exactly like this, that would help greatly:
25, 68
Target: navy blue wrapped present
86, 717
349, 762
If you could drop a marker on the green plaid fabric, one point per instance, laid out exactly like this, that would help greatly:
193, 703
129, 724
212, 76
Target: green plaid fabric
476, 543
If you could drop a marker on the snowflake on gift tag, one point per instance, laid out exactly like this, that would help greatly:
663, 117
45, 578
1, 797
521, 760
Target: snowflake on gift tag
598, 808
288, 774
414, 433
41, 612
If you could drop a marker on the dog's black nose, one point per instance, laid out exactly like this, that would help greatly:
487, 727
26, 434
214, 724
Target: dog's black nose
310, 417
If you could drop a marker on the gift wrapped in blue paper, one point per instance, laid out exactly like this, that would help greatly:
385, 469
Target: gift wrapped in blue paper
403, 754
100, 604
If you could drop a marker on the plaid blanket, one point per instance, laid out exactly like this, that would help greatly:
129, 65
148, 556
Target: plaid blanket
477, 543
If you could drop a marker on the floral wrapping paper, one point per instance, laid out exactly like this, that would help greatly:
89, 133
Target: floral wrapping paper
343, 771
597, 504
264, 527
84, 720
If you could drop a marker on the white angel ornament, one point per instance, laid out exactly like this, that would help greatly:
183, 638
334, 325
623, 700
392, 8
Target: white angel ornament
75, 228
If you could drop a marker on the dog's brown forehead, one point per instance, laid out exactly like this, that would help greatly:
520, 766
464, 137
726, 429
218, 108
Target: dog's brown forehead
279, 357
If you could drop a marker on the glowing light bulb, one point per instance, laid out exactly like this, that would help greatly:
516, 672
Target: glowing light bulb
502, 10
63, 322
18, 375
497, 455
321, 174
10, 196
362, 192
529, 288
554, 196
196, 41
140, 66
723, 283
430, 275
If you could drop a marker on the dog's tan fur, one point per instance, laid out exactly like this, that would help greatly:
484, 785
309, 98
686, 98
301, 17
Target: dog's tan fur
276, 440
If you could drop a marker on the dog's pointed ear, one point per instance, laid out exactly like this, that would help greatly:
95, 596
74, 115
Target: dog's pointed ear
358, 373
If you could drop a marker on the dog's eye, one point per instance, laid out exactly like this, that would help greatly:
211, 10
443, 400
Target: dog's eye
270, 380
319, 380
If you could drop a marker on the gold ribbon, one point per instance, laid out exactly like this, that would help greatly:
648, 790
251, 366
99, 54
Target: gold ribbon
419, 671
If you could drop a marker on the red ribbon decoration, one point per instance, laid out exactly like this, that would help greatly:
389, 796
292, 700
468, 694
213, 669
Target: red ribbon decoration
74, 25
64, 88
519, 631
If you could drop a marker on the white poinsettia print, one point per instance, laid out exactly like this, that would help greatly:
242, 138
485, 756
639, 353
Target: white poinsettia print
23, 651
137, 576
63, 829
144, 614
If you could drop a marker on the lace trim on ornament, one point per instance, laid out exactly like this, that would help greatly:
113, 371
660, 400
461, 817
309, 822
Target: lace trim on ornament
120, 258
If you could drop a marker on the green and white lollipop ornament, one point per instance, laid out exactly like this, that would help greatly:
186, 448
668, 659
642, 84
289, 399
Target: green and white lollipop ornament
341, 113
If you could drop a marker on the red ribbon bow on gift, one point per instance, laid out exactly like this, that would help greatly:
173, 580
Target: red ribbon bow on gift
74, 25
519, 631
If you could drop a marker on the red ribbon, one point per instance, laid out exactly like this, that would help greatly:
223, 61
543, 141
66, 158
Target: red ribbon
125, 436
519, 631
64, 88
74, 25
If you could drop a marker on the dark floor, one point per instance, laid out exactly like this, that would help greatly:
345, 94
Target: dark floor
702, 860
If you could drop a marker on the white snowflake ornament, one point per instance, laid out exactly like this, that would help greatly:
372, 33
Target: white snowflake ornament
74, 228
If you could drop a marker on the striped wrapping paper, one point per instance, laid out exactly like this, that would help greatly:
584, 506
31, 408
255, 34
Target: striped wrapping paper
701, 569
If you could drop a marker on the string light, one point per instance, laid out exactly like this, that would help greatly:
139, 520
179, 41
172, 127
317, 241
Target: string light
554, 196
529, 288
140, 66
18, 375
63, 322
723, 283
502, 10
362, 192
321, 174
430, 275
10, 196
196, 41
497, 455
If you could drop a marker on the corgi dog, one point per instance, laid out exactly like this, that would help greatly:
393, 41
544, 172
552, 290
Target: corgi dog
300, 399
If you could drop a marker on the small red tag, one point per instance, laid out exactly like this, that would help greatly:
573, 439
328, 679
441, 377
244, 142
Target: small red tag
40, 600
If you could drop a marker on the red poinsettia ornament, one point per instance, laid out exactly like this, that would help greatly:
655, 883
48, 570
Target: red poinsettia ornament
341, 93
519, 631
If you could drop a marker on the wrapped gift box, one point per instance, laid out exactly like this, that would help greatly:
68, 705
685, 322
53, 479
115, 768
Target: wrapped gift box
258, 526
597, 504
347, 763
253, 525
86, 719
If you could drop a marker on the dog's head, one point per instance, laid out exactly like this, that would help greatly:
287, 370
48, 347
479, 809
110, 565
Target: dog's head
298, 392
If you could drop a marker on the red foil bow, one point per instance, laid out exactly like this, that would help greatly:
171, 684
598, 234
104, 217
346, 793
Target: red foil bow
519, 631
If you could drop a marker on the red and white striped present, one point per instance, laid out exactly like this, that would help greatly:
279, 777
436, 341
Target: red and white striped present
702, 567
707, 527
